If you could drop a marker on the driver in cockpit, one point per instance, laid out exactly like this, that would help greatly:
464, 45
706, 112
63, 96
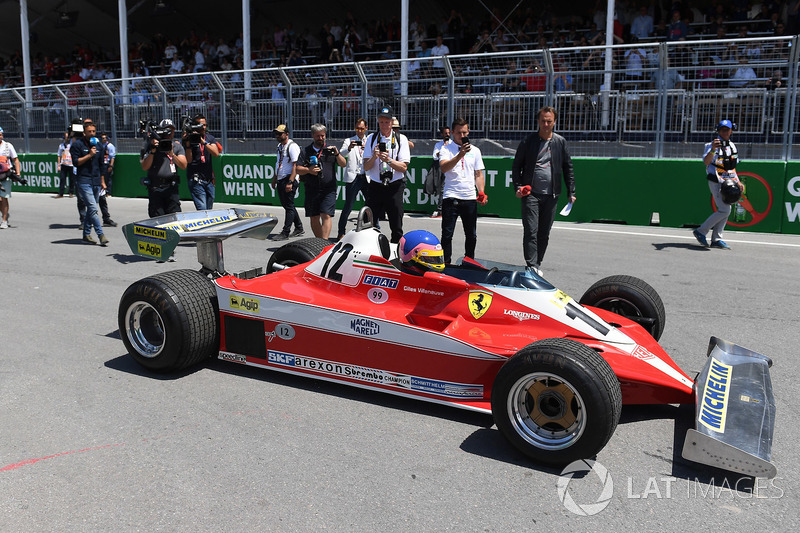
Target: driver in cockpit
420, 251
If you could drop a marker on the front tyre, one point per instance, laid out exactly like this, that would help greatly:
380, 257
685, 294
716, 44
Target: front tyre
296, 253
557, 401
631, 298
169, 321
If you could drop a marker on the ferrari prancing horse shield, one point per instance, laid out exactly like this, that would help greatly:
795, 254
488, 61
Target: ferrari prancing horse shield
479, 303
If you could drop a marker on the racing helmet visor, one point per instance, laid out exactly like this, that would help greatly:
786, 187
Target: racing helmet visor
433, 259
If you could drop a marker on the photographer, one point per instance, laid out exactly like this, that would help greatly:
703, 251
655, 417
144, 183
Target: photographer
316, 164
386, 158
87, 156
286, 182
200, 147
9, 171
161, 157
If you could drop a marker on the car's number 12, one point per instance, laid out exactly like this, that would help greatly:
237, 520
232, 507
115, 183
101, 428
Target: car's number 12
342, 251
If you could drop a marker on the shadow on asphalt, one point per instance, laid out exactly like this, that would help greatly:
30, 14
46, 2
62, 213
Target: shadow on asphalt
126, 259
680, 246
64, 226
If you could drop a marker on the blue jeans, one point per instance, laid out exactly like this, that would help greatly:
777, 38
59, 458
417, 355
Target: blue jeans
202, 194
350, 192
468, 211
90, 194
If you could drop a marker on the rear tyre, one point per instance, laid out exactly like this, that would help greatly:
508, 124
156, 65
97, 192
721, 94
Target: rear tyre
170, 321
296, 253
630, 297
557, 401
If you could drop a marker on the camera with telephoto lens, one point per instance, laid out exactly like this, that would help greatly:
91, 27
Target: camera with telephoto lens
193, 132
164, 141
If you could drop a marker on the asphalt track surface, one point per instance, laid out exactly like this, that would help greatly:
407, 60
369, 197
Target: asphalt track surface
89, 441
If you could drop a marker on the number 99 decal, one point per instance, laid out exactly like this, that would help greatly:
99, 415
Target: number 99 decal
377, 296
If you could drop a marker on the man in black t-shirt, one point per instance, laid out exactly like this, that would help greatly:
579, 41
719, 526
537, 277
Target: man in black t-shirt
162, 171
317, 166
199, 169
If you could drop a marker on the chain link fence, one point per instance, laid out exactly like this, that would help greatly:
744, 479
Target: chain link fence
647, 100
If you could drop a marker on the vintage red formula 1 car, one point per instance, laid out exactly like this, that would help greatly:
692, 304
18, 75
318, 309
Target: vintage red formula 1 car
553, 372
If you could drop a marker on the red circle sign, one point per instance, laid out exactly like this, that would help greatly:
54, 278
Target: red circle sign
756, 215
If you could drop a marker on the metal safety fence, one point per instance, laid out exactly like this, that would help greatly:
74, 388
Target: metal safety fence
648, 100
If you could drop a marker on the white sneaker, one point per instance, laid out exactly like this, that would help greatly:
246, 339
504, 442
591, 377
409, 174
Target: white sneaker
4, 225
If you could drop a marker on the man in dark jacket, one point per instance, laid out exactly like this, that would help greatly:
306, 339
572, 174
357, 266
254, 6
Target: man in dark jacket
87, 154
539, 164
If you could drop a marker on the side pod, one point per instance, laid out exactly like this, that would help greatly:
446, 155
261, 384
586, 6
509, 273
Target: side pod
734, 412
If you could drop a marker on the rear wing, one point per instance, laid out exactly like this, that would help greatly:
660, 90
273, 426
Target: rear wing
735, 412
156, 238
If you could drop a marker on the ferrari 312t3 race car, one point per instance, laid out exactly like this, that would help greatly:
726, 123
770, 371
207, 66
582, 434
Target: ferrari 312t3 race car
553, 372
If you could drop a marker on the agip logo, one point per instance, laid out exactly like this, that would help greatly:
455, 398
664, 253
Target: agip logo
243, 303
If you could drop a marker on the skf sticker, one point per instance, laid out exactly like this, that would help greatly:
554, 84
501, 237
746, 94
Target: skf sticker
479, 303
714, 406
561, 299
243, 303
153, 233
147, 248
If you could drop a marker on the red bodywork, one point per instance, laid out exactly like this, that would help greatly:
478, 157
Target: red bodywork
433, 337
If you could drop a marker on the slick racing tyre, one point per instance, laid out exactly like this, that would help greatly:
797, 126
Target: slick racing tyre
557, 401
296, 253
170, 321
629, 297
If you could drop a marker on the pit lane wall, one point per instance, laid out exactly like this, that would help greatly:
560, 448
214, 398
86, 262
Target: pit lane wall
626, 191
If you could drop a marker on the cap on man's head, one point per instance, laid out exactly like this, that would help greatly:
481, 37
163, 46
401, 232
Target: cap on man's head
385, 112
166, 123
281, 129
1, 129
726, 124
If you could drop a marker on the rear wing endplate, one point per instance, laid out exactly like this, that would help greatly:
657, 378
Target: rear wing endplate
734, 413
156, 238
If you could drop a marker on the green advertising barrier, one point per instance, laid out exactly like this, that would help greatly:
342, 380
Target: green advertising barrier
628, 191
790, 207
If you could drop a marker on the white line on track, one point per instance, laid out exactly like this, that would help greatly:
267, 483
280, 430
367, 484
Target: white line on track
689, 236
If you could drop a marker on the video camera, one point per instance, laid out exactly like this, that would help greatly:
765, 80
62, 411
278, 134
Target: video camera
192, 132
12, 175
151, 130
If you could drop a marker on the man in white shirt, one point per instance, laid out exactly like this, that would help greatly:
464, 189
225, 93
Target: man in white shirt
440, 49
286, 182
463, 168
386, 158
355, 178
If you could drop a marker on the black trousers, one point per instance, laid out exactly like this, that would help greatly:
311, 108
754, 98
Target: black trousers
538, 213
163, 201
287, 201
388, 199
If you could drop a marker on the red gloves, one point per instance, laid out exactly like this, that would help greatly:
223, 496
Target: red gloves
525, 191
482, 198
